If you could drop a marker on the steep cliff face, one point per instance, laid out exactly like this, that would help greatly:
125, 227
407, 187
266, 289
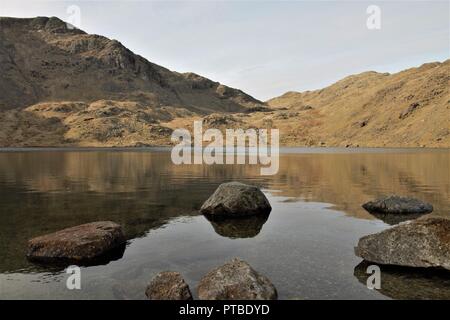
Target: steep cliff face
46, 60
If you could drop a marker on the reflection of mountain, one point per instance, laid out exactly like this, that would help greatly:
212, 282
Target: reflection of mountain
46, 191
245, 227
409, 283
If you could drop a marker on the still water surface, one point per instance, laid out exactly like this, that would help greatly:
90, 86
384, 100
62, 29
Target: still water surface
305, 246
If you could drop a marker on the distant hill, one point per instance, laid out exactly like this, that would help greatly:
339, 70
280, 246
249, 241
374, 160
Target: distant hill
410, 108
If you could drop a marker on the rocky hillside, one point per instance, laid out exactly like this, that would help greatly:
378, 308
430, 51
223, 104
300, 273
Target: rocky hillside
44, 60
62, 87
406, 109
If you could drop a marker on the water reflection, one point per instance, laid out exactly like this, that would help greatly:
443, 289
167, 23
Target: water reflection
244, 227
45, 191
409, 283
396, 218
57, 266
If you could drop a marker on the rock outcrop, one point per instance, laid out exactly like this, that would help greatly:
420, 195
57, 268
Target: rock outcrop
84, 243
397, 204
424, 243
235, 280
235, 199
38, 54
168, 285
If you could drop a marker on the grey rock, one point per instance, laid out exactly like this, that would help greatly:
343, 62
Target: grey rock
424, 243
236, 280
168, 285
397, 204
235, 199
77, 244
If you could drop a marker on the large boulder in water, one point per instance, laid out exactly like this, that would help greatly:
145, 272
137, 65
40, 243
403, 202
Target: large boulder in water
168, 285
397, 204
83, 243
424, 242
235, 199
236, 280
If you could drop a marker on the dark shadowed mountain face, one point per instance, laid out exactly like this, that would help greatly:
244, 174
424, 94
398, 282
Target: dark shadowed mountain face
44, 59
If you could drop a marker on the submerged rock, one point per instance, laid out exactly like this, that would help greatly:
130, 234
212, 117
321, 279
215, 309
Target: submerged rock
83, 243
424, 242
168, 285
397, 204
245, 227
235, 199
236, 280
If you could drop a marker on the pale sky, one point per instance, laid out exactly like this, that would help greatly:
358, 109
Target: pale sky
264, 48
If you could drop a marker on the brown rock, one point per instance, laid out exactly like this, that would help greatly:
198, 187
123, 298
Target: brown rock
78, 244
424, 242
236, 280
168, 285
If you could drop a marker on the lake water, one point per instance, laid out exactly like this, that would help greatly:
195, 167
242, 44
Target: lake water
305, 246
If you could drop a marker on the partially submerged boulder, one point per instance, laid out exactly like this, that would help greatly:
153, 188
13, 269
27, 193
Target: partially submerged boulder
83, 243
424, 243
168, 285
397, 204
235, 199
236, 280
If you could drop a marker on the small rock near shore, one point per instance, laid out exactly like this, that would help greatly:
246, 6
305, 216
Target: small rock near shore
397, 204
77, 244
235, 199
236, 280
423, 243
168, 285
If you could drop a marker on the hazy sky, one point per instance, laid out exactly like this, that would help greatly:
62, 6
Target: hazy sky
264, 47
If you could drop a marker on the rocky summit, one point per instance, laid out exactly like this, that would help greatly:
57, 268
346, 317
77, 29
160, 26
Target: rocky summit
423, 243
45, 59
83, 243
234, 200
61, 86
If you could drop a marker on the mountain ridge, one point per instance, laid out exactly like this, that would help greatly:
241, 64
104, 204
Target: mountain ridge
63, 87
44, 60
